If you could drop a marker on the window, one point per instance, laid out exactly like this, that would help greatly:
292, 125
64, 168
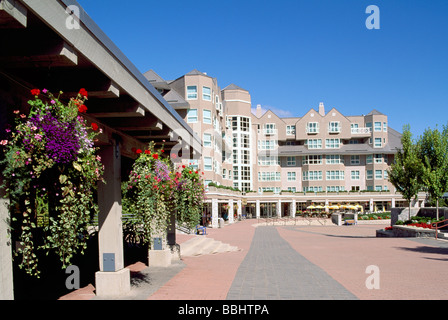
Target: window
369, 159
334, 127
245, 173
192, 92
377, 127
224, 171
312, 175
334, 159
290, 130
332, 143
291, 176
292, 189
207, 140
355, 175
386, 175
244, 141
335, 188
377, 143
378, 158
312, 189
268, 161
378, 174
314, 143
267, 144
244, 124
312, 127
268, 176
206, 94
354, 160
335, 175
385, 126
291, 161
378, 188
207, 116
192, 116
194, 163
245, 157
317, 159
369, 175
208, 166
269, 128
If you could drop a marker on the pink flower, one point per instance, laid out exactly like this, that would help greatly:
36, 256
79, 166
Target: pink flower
4, 142
44, 90
53, 102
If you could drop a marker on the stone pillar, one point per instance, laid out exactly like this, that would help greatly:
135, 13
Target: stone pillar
240, 209
392, 203
6, 275
215, 213
371, 205
279, 208
293, 209
257, 209
230, 212
112, 279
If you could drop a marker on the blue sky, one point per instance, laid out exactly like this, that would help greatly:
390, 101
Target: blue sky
293, 54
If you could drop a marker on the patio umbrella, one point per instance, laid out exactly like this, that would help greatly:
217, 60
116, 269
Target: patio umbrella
334, 207
311, 207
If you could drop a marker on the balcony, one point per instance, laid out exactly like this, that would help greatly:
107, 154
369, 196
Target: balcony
362, 131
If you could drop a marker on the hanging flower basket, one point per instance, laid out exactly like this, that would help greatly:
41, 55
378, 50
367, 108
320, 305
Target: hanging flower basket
51, 172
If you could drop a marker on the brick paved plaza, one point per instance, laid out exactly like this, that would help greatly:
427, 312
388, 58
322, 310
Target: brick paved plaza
297, 262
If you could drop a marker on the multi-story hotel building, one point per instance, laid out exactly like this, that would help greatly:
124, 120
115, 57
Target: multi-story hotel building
323, 156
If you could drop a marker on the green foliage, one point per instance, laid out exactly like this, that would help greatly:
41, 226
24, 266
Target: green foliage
51, 172
155, 191
405, 171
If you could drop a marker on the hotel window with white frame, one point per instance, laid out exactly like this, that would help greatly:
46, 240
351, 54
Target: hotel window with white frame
334, 127
378, 174
206, 94
268, 161
314, 143
269, 128
378, 143
290, 130
386, 175
292, 189
355, 175
192, 92
335, 175
354, 160
291, 161
385, 126
192, 116
312, 127
334, 159
369, 174
291, 176
377, 127
208, 164
378, 158
312, 159
378, 188
207, 116
207, 140
267, 144
332, 143
312, 175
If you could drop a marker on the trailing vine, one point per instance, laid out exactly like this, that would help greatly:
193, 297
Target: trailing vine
51, 172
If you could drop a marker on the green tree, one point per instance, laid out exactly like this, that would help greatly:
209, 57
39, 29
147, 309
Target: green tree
433, 149
405, 171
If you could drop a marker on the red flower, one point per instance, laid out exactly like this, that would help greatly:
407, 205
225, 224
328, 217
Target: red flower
183, 166
83, 92
138, 151
162, 151
155, 156
82, 109
94, 126
35, 92
147, 152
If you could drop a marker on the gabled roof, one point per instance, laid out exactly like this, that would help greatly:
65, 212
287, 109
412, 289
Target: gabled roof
233, 87
375, 112
195, 72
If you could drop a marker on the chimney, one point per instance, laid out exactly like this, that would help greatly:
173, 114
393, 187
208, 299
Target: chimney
321, 109
258, 112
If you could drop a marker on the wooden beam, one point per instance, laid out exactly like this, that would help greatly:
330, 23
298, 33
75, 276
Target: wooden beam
111, 108
59, 55
13, 14
134, 123
107, 91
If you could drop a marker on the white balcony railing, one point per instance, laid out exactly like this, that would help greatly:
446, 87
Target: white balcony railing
361, 130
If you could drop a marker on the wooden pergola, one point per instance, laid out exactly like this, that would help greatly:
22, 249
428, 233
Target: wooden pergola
54, 44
